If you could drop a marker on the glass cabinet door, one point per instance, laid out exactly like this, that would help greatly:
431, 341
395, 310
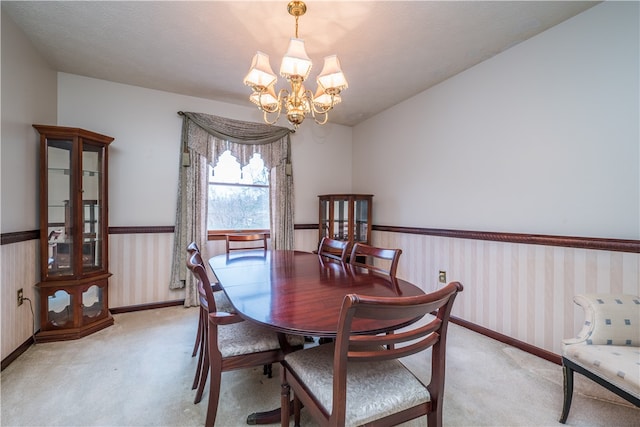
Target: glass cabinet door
324, 219
92, 160
341, 219
361, 215
60, 210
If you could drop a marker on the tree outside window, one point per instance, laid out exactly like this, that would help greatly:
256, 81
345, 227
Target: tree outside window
238, 196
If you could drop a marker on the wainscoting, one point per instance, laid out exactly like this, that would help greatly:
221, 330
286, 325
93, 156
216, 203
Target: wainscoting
523, 291
520, 290
20, 268
141, 268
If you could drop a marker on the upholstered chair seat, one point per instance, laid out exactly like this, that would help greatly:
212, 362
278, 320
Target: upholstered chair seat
366, 399
245, 338
618, 365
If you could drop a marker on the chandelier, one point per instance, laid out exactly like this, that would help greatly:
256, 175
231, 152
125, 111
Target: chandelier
297, 101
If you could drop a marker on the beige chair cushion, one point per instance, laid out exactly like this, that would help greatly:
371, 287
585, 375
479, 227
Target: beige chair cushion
246, 337
609, 319
374, 389
619, 365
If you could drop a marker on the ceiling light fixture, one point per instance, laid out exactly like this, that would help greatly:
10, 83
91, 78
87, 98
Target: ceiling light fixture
295, 67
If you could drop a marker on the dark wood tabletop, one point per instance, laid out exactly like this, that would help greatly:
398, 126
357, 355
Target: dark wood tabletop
300, 292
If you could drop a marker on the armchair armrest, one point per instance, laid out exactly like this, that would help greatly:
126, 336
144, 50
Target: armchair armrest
610, 319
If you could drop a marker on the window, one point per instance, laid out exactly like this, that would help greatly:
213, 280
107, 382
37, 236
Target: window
238, 196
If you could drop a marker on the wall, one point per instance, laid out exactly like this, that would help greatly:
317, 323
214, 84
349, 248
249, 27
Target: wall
551, 122
543, 138
28, 96
144, 157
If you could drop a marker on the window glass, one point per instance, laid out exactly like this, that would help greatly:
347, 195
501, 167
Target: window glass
238, 196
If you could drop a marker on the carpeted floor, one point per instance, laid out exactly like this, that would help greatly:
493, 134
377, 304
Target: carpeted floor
139, 371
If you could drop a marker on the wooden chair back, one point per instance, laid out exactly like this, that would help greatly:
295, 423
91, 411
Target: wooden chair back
350, 348
380, 260
335, 249
205, 290
192, 248
420, 337
245, 241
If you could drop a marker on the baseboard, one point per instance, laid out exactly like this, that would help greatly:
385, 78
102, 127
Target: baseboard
150, 306
16, 353
536, 351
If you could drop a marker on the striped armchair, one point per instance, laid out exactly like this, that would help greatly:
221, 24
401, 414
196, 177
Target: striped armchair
607, 349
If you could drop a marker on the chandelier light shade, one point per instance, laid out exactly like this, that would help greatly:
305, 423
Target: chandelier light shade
296, 62
260, 73
295, 101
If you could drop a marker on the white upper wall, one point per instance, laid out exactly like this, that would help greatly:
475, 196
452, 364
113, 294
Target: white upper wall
28, 97
144, 157
542, 138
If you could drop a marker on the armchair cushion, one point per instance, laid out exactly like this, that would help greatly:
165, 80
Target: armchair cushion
618, 365
609, 320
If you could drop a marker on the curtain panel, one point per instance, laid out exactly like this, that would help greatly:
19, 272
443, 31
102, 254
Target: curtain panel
204, 138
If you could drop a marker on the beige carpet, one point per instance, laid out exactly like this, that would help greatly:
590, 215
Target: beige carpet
139, 371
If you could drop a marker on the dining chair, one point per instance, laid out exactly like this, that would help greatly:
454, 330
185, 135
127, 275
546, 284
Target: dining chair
335, 249
380, 260
191, 249
233, 343
249, 241
222, 304
244, 241
358, 379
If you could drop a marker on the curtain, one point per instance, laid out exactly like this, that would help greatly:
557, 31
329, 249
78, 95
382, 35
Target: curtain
204, 139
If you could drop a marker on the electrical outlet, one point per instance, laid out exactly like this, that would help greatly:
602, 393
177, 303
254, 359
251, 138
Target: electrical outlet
20, 297
442, 276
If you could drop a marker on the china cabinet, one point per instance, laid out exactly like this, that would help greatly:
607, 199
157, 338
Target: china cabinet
346, 217
74, 263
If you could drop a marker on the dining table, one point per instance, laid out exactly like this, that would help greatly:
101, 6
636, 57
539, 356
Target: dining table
296, 292
299, 292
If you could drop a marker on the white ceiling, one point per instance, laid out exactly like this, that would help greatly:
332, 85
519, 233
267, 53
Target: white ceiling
389, 50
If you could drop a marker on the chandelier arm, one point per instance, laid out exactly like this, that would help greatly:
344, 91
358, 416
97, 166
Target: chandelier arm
325, 117
283, 94
266, 116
